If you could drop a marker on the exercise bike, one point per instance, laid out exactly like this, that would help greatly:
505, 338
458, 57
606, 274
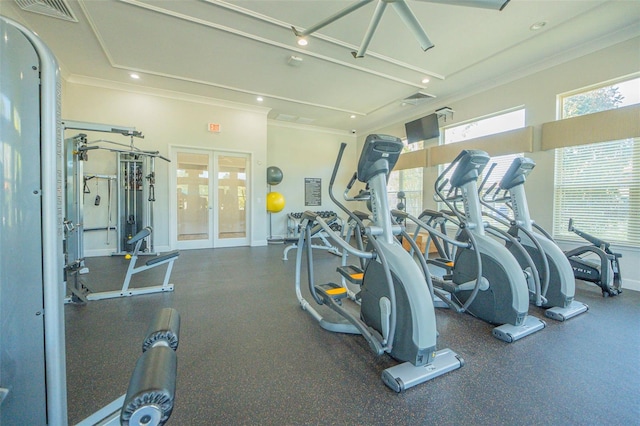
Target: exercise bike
605, 273
534, 251
479, 274
393, 310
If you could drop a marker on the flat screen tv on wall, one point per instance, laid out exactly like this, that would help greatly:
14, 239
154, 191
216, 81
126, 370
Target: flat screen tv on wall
423, 129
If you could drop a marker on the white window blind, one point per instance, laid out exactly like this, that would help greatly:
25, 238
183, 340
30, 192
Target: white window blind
598, 185
409, 181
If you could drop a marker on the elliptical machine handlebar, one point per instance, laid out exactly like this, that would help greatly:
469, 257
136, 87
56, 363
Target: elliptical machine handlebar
422, 225
486, 198
593, 240
336, 166
342, 207
494, 188
312, 218
471, 244
352, 181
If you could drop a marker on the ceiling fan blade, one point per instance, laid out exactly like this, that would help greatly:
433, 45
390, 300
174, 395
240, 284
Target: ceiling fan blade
347, 10
410, 20
484, 4
375, 20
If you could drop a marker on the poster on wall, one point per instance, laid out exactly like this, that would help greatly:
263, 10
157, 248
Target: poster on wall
312, 191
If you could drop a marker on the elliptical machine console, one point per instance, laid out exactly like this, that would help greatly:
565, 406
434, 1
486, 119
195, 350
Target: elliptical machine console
394, 310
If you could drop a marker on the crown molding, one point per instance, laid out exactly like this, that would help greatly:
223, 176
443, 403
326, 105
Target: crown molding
307, 127
162, 93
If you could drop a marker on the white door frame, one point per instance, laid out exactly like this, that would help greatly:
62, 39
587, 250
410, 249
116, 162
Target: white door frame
212, 241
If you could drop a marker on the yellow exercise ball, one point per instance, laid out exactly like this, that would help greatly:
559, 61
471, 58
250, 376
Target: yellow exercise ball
275, 202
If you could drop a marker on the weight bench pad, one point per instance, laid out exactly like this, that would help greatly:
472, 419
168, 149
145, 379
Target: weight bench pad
164, 326
153, 382
145, 232
162, 258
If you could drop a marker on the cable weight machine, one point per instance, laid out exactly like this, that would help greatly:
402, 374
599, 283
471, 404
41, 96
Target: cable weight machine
136, 194
134, 177
132, 185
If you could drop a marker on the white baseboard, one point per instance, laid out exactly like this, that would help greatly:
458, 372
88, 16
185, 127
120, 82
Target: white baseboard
258, 243
628, 284
111, 251
99, 252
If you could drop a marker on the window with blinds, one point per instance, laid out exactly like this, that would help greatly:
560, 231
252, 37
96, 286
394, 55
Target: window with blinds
408, 181
598, 185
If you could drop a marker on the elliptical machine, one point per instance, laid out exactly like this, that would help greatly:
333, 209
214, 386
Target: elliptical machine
541, 254
394, 311
605, 273
480, 274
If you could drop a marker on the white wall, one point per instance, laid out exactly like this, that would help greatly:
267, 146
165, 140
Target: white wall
538, 93
170, 119
306, 152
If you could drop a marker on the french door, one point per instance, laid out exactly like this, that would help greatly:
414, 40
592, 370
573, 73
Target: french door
211, 198
231, 201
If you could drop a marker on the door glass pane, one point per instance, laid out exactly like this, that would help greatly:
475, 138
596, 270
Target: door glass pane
193, 196
232, 193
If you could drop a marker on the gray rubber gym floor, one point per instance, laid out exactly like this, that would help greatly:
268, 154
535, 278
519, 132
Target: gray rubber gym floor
249, 355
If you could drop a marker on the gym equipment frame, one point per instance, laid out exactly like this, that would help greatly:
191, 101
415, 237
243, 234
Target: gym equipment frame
33, 386
536, 253
167, 258
394, 311
293, 233
480, 276
596, 263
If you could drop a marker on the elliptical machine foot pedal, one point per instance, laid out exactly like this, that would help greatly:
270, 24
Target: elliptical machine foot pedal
406, 375
562, 314
352, 273
510, 333
331, 291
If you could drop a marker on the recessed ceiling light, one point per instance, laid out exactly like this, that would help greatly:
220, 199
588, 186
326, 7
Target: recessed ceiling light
134, 76
353, 116
425, 80
538, 26
302, 41
259, 99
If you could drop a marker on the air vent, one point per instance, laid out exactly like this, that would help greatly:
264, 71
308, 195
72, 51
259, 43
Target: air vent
295, 119
417, 98
286, 117
54, 8
305, 120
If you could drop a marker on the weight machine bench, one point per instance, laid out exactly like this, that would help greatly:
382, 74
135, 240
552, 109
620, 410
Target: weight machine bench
167, 258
